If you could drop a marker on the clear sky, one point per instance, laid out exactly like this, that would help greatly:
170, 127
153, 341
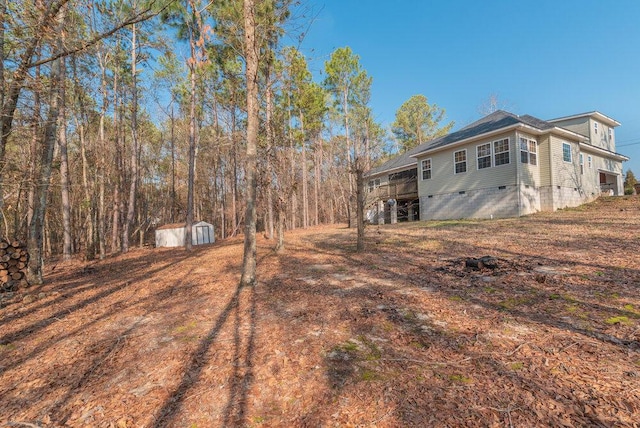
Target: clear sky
546, 58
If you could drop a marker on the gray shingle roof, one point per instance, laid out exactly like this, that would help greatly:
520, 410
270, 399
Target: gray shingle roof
492, 122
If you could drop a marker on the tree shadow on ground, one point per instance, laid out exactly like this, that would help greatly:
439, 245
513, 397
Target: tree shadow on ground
346, 363
240, 307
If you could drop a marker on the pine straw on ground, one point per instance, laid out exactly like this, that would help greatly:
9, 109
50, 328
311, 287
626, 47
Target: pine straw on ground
400, 335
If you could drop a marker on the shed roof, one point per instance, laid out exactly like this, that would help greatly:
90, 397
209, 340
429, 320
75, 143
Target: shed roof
171, 226
178, 225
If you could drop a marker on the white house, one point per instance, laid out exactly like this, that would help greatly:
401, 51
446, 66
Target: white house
172, 235
502, 165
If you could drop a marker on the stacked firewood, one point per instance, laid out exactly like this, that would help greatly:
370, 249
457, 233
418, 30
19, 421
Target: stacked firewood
14, 258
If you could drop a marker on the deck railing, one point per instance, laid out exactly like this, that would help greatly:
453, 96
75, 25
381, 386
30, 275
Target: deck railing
396, 190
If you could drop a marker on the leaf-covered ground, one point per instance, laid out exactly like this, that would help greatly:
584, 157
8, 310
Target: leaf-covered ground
400, 335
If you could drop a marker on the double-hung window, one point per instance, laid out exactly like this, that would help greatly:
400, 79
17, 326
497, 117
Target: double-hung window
566, 152
581, 163
484, 155
374, 184
426, 169
595, 127
589, 161
501, 152
460, 161
528, 151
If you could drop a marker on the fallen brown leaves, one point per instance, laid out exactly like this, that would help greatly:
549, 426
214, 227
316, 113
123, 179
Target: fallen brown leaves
400, 335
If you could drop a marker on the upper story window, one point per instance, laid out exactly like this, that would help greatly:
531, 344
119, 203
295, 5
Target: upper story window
528, 151
595, 127
426, 169
581, 163
589, 161
501, 152
460, 161
610, 134
374, 184
566, 152
484, 155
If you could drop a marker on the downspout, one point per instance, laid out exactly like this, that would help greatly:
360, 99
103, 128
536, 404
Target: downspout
517, 160
551, 181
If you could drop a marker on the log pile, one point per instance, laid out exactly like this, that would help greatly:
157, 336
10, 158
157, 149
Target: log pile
14, 258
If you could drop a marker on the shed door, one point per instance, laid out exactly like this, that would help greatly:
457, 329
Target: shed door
203, 235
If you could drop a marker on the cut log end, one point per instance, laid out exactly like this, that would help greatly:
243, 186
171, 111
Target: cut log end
14, 259
486, 262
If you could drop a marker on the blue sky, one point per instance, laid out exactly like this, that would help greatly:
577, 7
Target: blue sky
544, 58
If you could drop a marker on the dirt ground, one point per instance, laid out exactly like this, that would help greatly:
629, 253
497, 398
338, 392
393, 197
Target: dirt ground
400, 335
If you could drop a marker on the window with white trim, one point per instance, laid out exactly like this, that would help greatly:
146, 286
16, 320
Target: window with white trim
501, 152
483, 152
566, 152
528, 151
581, 163
426, 169
589, 161
610, 134
460, 161
595, 127
374, 184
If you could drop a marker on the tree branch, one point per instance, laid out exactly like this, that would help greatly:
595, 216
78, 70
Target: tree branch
139, 17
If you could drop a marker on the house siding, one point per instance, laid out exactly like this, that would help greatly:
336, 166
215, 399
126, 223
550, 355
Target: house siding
488, 192
444, 180
570, 185
601, 139
492, 202
580, 125
518, 188
565, 174
528, 174
544, 160
586, 126
566, 182
591, 175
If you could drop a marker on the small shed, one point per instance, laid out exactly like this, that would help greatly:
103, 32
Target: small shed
172, 235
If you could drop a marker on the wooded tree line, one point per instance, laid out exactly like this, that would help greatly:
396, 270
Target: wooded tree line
122, 115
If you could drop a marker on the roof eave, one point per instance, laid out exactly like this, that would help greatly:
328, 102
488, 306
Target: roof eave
467, 140
571, 134
387, 171
601, 117
604, 152
516, 126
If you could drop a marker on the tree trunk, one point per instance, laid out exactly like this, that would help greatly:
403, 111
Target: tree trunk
305, 196
134, 143
64, 163
173, 167
316, 179
269, 157
102, 167
234, 178
360, 196
345, 106
10, 97
280, 226
33, 150
3, 11
192, 142
36, 227
90, 243
251, 57
115, 225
